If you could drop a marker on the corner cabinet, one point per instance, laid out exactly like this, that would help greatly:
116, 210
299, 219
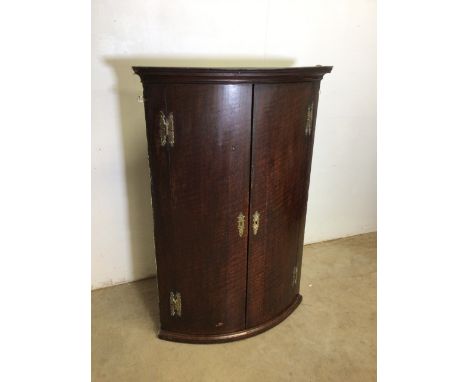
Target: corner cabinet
230, 155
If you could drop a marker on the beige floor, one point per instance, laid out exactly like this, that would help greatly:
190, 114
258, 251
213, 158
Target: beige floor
330, 337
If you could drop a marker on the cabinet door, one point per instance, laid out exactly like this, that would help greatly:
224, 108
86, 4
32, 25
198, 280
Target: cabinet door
200, 187
281, 154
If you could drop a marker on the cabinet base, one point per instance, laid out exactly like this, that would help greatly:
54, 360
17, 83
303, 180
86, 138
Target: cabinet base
227, 337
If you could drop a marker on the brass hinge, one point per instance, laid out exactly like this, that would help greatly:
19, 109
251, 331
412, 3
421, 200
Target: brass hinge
175, 302
255, 222
166, 129
294, 276
308, 128
241, 224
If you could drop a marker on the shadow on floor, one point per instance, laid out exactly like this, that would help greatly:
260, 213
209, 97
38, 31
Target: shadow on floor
147, 291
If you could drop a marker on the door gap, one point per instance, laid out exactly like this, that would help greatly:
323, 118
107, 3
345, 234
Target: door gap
250, 201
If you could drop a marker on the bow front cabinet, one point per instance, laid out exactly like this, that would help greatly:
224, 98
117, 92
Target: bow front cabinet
230, 156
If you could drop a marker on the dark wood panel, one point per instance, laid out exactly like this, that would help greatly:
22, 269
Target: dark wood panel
199, 187
280, 169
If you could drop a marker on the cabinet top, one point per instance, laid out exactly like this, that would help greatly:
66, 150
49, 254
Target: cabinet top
154, 74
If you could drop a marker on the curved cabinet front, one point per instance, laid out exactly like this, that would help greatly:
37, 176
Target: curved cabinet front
229, 154
280, 172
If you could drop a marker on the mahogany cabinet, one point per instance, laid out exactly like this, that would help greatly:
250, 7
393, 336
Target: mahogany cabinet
230, 155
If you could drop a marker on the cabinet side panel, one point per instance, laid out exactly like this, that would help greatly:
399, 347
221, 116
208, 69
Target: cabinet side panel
200, 185
310, 149
280, 169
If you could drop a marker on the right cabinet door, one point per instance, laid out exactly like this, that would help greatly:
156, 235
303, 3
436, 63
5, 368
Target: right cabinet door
283, 131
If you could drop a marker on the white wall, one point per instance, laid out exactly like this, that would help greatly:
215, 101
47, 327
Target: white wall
342, 197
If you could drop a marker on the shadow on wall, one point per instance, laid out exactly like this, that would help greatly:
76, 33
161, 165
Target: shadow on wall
132, 119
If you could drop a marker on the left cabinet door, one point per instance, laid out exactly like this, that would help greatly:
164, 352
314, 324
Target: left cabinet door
200, 190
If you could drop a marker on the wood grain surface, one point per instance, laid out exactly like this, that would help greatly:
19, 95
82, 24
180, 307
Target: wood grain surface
280, 164
199, 188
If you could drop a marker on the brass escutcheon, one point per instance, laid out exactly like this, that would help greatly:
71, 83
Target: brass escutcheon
241, 224
255, 222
